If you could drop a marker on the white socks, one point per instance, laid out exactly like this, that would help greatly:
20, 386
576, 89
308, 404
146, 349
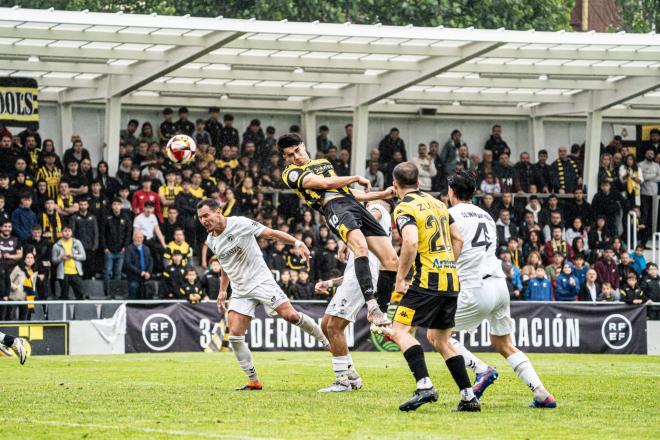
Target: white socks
424, 383
352, 372
244, 356
467, 394
308, 325
523, 368
471, 361
340, 367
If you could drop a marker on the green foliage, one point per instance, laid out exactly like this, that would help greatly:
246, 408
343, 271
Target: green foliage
640, 15
490, 14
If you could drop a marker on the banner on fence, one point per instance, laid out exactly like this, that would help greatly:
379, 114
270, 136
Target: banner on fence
543, 328
51, 338
19, 105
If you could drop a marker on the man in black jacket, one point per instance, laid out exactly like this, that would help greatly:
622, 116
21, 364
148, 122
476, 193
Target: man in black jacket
651, 286
115, 238
608, 204
542, 171
496, 144
213, 126
578, 207
565, 173
171, 223
86, 229
186, 204
390, 144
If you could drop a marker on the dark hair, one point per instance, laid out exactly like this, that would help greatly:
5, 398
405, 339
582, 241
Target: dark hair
289, 140
178, 229
463, 185
214, 109
199, 121
148, 205
650, 265
212, 204
393, 129
324, 128
544, 152
168, 111
348, 125
133, 122
453, 132
183, 109
66, 226
116, 200
654, 131
294, 128
406, 175
270, 129
228, 117
608, 248
496, 126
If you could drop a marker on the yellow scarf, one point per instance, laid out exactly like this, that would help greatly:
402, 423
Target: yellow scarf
228, 207
559, 246
632, 186
50, 233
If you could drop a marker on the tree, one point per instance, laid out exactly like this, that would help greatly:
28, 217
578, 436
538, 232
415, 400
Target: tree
640, 16
547, 15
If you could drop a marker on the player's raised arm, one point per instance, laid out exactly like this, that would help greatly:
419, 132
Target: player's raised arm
456, 239
370, 196
299, 247
313, 181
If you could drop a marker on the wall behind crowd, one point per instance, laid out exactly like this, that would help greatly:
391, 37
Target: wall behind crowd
89, 122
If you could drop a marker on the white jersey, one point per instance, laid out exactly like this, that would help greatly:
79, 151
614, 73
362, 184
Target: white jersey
240, 256
386, 223
477, 257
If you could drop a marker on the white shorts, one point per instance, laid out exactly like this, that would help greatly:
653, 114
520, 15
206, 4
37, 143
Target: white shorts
270, 295
490, 301
348, 300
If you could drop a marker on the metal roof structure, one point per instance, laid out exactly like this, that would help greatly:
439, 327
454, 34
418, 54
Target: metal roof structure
310, 67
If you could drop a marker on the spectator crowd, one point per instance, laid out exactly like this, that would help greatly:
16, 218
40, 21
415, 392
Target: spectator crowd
65, 220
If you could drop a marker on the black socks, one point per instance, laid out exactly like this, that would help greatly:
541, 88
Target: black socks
456, 366
8, 340
363, 274
384, 288
415, 358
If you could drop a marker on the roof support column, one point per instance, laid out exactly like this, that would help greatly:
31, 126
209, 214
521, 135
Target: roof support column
65, 115
309, 132
536, 137
592, 153
112, 127
360, 147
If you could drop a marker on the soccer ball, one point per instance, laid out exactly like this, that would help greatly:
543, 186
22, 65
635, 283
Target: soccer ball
181, 149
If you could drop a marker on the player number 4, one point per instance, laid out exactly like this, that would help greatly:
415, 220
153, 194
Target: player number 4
476, 241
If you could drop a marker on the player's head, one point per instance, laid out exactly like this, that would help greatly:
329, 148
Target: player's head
293, 149
406, 177
461, 187
209, 214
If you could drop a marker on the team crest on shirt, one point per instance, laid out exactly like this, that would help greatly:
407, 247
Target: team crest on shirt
293, 176
401, 221
230, 238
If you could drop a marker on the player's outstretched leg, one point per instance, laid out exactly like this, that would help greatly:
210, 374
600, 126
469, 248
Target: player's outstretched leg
357, 243
238, 325
306, 324
441, 341
486, 375
382, 248
523, 368
414, 354
16, 345
346, 376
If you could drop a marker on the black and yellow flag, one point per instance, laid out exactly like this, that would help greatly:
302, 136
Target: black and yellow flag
19, 106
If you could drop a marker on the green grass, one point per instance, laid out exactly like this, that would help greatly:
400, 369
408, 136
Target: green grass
189, 396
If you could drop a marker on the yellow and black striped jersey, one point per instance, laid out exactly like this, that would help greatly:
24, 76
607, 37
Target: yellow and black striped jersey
434, 269
52, 179
293, 176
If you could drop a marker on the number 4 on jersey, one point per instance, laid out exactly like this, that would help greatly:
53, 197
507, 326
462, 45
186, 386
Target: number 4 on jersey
476, 241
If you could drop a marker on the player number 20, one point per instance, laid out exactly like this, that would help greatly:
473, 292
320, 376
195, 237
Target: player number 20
438, 241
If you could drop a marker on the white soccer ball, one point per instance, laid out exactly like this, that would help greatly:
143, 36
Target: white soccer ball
181, 149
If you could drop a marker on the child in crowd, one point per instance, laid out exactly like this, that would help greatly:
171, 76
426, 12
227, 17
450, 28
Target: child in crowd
567, 285
631, 293
192, 290
539, 288
174, 276
606, 293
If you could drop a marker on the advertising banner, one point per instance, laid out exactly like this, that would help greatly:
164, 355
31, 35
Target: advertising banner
539, 328
50, 338
19, 105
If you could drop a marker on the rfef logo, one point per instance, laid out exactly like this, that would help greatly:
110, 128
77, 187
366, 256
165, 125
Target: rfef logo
616, 331
158, 332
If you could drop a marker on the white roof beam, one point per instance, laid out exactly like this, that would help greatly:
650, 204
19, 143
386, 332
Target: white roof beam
274, 75
508, 68
588, 54
256, 26
304, 62
519, 83
393, 82
99, 37
221, 89
57, 66
145, 72
480, 97
588, 101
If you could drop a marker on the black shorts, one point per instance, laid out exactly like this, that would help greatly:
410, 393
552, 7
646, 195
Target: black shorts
419, 309
344, 214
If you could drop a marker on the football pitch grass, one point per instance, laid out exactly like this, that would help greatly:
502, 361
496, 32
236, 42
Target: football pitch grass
150, 396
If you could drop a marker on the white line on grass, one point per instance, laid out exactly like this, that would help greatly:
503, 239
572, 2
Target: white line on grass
139, 429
